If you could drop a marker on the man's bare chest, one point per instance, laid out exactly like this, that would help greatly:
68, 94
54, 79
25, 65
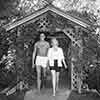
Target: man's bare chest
42, 46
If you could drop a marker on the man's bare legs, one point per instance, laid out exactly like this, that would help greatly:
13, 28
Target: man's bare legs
38, 78
44, 77
44, 72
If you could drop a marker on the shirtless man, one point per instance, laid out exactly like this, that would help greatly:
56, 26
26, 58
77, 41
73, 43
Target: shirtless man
40, 52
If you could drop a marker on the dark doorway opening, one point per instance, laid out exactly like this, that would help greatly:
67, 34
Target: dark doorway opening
64, 43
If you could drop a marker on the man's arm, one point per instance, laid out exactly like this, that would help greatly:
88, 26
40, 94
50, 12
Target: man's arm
48, 45
33, 57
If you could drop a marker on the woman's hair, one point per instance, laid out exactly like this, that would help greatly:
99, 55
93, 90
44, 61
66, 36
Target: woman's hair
54, 40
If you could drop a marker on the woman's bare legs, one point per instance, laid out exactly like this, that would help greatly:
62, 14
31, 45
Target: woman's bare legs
57, 80
53, 72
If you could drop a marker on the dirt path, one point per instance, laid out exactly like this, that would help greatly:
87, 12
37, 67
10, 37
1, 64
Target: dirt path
46, 94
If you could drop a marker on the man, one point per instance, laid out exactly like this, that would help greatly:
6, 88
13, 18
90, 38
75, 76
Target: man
40, 53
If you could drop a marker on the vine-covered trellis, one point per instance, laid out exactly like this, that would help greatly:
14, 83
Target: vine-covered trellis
18, 44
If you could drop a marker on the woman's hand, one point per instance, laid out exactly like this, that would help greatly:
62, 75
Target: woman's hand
65, 64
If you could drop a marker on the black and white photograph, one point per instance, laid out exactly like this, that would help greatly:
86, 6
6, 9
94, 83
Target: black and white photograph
49, 49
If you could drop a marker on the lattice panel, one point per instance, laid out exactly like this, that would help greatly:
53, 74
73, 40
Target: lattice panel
73, 78
71, 35
77, 80
43, 24
74, 81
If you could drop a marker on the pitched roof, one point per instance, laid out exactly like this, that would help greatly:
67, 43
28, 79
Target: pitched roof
51, 8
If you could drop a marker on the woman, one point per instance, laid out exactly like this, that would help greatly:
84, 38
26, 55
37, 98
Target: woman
56, 57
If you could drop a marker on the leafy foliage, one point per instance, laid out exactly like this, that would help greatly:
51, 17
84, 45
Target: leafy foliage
85, 9
3, 42
7, 59
8, 8
24, 42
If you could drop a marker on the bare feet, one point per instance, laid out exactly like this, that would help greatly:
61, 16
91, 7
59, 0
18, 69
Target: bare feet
54, 95
38, 92
57, 89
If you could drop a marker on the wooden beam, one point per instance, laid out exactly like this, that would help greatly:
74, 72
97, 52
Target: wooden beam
26, 19
58, 37
65, 15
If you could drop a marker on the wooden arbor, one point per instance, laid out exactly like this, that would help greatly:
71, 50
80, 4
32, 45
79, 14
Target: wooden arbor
51, 19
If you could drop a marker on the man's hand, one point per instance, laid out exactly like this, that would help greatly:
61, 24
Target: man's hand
33, 65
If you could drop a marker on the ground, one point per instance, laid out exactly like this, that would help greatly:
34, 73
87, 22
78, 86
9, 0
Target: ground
64, 93
46, 94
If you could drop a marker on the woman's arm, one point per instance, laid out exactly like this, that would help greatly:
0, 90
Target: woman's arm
63, 58
64, 63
